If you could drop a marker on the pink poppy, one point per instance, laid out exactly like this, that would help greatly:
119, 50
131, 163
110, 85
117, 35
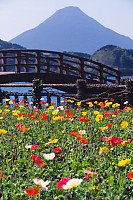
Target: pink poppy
89, 172
106, 139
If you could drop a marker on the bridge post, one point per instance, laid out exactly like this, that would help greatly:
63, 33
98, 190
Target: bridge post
47, 64
118, 77
100, 74
81, 88
26, 62
37, 62
60, 64
3, 62
81, 68
17, 61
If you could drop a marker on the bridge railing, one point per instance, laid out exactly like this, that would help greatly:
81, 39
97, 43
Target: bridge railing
44, 61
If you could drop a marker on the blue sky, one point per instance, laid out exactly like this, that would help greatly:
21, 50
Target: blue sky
17, 16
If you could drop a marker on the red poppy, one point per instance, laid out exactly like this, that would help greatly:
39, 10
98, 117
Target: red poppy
73, 133
110, 125
115, 112
58, 149
24, 114
130, 175
62, 182
87, 177
70, 115
67, 111
34, 146
44, 113
14, 101
43, 117
32, 191
83, 119
111, 99
79, 109
4, 116
42, 102
39, 111
1, 174
106, 113
32, 114
115, 141
38, 160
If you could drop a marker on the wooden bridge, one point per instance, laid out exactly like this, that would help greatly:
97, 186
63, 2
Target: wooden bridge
67, 72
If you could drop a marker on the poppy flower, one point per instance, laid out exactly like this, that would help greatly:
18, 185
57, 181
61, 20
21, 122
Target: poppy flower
130, 175
53, 141
106, 113
103, 149
124, 124
110, 125
1, 174
49, 156
123, 162
42, 102
34, 146
106, 139
89, 172
58, 149
115, 141
80, 138
62, 182
84, 141
42, 183
53, 103
83, 119
32, 191
70, 115
43, 117
38, 160
72, 183
32, 114
73, 133
126, 141
24, 129
111, 99
115, 112
82, 132
2, 131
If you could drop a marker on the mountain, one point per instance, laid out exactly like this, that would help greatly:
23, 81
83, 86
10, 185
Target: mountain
70, 29
115, 57
8, 45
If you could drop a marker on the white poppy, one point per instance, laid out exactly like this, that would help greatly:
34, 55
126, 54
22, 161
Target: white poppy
72, 183
49, 156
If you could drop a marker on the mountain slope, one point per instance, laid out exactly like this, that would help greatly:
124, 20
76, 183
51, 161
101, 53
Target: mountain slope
69, 29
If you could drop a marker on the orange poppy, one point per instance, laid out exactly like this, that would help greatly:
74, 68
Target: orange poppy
53, 103
58, 149
84, 141
24, 129
16, 104
80, 138
32, 191
130, 175
73, 133
1, 174
32, 114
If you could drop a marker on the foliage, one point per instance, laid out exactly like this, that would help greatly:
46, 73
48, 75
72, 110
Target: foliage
78, 145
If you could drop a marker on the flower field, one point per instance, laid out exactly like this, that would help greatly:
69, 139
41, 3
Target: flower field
56, 153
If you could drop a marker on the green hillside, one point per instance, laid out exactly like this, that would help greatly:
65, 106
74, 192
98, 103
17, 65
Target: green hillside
115, 57
8, 45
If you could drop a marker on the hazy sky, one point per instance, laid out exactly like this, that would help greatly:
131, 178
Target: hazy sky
17, 16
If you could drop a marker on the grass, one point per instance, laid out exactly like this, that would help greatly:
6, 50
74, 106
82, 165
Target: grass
17, 169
